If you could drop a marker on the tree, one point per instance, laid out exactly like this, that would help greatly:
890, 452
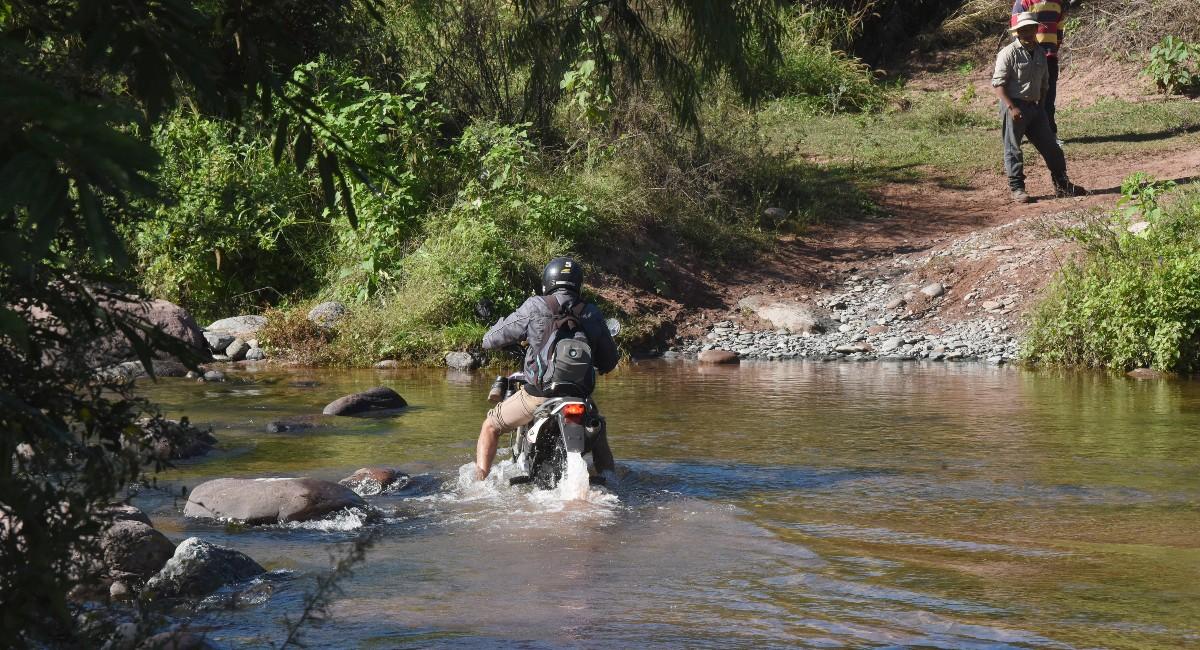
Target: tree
83, 82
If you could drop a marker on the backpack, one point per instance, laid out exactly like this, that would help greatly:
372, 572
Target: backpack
564, 361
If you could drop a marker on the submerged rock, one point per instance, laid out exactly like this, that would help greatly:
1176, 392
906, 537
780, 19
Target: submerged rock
199, 568
377, 401
176, 640
214, 375
291, 426
269, 500
718, 356
177, 439
133, 547
1147, 373
370, 481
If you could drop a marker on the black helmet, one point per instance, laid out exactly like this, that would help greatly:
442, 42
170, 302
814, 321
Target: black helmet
562, 272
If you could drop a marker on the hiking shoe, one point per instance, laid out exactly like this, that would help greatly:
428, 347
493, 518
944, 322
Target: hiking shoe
1019, 196
1067, 190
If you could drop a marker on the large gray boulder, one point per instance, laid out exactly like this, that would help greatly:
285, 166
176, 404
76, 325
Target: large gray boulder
461, 361
376, 401
199, 568
327, 314
245, 326
218, 341
269, 500
133, 547
161, 315
794, 317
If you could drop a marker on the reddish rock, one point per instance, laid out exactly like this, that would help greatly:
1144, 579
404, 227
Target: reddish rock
377, 401
877, 329
370, 481
718, 356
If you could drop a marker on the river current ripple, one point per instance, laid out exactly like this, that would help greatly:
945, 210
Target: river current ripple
768, 505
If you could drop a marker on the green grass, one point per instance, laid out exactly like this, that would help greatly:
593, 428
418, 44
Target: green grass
945, 137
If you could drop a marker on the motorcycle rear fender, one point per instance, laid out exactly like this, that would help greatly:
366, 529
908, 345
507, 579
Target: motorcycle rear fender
574, 433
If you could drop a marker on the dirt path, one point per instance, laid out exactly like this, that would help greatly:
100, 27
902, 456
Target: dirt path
984, 248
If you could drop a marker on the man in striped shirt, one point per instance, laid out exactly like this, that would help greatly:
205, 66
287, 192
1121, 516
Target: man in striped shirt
1051, 15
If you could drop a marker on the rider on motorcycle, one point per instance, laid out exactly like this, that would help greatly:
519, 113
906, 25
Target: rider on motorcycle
562, 281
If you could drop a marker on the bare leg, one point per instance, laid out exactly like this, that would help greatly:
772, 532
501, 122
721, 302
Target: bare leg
485, 449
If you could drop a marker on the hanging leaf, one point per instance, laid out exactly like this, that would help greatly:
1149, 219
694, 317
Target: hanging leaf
325, 167
280, 138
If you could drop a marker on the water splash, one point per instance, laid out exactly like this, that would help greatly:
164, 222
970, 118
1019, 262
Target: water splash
574, 484
341, 521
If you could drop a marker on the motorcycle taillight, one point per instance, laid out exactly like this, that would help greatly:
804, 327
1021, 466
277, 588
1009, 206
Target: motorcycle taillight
574, 411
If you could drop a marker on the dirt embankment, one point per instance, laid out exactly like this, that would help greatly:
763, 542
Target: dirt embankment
992, 257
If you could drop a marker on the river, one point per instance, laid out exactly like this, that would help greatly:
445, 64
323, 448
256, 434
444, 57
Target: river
816, 505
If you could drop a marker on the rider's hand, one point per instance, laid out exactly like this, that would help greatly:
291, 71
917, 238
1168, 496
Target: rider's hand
1015, 112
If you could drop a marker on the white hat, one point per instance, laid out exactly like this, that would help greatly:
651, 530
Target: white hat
1025, 19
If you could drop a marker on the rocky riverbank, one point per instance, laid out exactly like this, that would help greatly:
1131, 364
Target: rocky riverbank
962, 299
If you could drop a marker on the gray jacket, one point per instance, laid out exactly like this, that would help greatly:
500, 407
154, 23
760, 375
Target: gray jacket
529, 321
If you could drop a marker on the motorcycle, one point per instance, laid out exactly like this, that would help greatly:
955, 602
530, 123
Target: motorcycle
564, 429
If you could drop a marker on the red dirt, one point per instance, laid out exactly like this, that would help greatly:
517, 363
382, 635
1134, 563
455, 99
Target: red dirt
973, 239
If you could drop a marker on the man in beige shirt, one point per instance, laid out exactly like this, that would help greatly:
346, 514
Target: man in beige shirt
1020, 81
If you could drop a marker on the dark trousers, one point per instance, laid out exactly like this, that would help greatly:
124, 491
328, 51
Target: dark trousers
1052, 94
1034, 125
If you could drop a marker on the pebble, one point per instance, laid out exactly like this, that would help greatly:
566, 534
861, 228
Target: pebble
214, 375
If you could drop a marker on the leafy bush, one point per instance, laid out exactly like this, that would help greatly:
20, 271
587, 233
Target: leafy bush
827, 79
236, 230
1133, 299
1174, 66
396, 134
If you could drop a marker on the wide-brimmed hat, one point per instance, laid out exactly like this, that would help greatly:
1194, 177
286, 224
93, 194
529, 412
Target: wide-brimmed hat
1025, 19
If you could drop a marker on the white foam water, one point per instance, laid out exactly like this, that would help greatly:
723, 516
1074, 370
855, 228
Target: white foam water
343, 520
574, 484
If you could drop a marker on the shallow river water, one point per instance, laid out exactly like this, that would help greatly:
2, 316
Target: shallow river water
817, 505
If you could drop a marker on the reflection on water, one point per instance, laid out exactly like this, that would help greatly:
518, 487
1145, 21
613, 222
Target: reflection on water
779, 505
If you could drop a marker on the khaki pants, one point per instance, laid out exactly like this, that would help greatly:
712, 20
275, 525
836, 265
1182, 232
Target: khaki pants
515, 411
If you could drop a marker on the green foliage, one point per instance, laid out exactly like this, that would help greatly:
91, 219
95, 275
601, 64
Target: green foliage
1133, 299
396, 134
83, 84
236, 229
814, 71
1174, 66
